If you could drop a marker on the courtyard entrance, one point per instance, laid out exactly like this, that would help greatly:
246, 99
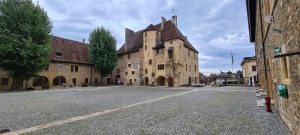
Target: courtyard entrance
161, 80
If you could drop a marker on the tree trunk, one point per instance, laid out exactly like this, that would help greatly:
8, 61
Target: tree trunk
111, 76
12, 87
102, 80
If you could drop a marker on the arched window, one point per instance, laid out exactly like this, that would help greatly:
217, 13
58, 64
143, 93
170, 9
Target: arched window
59, 80
39, 81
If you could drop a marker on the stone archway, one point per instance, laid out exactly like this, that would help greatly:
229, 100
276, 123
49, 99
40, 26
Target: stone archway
39, 81
59, 80
161, 80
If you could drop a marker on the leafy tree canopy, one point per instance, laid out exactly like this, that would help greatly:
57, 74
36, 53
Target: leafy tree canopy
24, 38
102, 50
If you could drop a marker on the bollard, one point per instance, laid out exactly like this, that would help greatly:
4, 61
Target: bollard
268, 104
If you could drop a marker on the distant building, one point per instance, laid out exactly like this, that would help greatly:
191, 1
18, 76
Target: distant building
249, 70
159, 54
68, 64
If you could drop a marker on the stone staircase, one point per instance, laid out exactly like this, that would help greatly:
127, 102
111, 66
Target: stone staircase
261, 94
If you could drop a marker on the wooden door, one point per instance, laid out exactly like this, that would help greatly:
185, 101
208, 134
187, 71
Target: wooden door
146, 81
170, 82
130, 82
74, 81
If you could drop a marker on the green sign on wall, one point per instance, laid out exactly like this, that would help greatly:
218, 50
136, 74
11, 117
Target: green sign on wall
277, 49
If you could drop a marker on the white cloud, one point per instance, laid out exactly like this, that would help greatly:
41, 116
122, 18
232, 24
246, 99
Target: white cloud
215, 28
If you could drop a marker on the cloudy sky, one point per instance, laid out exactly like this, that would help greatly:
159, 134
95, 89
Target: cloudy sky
214, 27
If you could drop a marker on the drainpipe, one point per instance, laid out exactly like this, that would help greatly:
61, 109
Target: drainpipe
267, 99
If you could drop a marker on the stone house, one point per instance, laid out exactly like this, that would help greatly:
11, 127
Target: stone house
68, 64
249, 70
274, 29
159, 54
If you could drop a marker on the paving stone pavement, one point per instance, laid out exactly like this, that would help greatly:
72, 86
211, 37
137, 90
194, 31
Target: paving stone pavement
207, 110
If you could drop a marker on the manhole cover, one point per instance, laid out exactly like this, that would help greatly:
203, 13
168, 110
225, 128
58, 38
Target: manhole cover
4, 131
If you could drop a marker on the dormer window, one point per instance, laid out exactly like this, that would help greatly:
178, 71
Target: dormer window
58, 54
171, 42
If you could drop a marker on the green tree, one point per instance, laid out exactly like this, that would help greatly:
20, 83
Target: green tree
102, 51
24, 39
239, 73
212, 74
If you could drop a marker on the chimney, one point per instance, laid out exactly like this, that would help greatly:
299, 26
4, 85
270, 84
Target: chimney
163, 20
83, 40
129, 38
174, 20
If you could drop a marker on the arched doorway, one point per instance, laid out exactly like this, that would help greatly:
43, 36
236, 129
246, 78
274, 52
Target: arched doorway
39, 81
146, 80
170, 82
59, 80
161, 80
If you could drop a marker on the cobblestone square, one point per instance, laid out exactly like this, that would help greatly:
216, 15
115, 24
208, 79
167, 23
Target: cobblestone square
138, 110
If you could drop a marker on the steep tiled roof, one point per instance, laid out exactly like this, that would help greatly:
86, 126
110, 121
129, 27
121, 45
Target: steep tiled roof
169, 32
151, 27
71, 51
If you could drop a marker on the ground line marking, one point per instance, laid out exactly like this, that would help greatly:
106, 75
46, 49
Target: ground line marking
57, 123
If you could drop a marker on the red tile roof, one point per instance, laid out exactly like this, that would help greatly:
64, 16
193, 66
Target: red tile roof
72, 51
169, 32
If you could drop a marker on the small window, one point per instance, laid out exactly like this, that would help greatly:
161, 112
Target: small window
152, 74
285, 74
126, 73
72, 68
146, 34
118, 71
4, 81
145, 71
195, 68
76, 68
58, 54
253, 68
145, 47
186, 67
170, 54
161, 67
118, 76
128, 56
189, 53
129, 65
150, 62
134, 80
171, 42
174, 69
86, 80
157, 51
190, 67
133, 73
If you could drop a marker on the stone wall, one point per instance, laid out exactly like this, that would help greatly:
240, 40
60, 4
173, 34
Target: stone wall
286, 20
84, 71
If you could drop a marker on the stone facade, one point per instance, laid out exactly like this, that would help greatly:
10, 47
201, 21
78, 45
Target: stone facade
158, 55
249, 69
75, 67
283, 31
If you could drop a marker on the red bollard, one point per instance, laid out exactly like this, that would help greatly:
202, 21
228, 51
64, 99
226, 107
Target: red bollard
268, 104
